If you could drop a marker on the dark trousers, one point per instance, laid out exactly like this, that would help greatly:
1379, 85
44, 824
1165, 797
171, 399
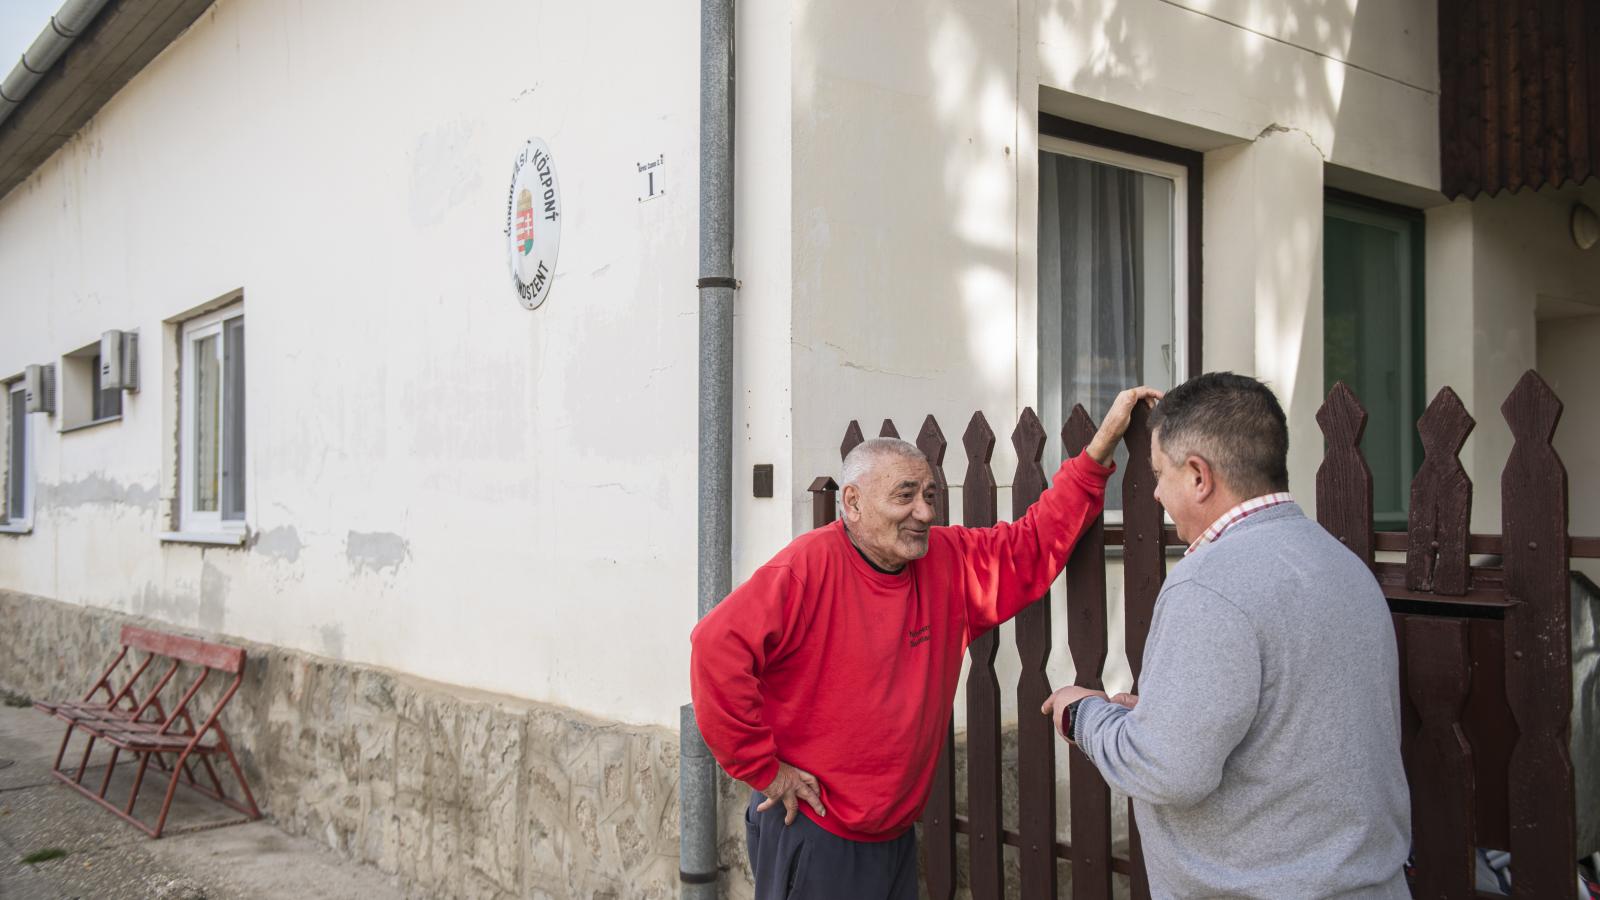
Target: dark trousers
803, 862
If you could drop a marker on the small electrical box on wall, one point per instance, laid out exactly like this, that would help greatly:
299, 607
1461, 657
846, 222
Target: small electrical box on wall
119, 360
763, 480
39, 388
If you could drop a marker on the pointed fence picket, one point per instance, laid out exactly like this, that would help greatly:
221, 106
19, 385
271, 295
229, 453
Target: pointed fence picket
938, 823
1481, 646
985, 831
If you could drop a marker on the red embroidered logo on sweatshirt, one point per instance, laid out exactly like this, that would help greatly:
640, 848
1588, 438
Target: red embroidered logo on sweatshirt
920, 636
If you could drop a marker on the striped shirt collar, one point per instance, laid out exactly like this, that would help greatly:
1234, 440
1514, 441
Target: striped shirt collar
1234, 516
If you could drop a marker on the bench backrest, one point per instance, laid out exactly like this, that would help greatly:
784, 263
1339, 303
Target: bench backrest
191, 650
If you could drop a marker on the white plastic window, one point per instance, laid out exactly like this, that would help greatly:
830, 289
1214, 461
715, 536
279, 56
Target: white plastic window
211, 453
1113, 276
18, 512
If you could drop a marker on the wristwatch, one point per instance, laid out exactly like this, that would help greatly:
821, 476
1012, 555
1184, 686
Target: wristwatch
1070, 720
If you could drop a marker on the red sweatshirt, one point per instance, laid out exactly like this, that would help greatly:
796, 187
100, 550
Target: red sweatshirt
848, 673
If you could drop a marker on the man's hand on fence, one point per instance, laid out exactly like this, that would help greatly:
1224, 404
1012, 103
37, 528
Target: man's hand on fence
1116, 421
1128, 700
789, 787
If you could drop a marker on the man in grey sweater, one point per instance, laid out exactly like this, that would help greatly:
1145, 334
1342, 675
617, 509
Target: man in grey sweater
1263, 749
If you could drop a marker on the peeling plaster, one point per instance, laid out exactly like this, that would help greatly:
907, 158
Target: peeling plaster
282, 543
374, 551
332, 640
96, 490
213, 598
1276, 128
154, 603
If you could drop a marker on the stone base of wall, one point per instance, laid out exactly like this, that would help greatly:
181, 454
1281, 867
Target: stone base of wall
456, 793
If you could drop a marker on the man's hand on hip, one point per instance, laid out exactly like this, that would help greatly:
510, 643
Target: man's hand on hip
789, 787
1116, 421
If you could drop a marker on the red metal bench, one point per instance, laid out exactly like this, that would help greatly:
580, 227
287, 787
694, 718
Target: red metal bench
132, 719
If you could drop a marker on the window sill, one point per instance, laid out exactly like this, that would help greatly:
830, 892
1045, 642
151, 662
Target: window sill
16, 528
206, 538
87, 425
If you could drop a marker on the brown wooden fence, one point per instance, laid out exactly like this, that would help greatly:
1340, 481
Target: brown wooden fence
1481, 647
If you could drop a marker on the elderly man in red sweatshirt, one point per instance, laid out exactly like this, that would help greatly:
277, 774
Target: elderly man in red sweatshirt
825, 682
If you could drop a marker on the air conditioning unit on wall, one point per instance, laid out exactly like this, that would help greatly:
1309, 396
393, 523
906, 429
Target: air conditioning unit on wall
119, 360
39, 388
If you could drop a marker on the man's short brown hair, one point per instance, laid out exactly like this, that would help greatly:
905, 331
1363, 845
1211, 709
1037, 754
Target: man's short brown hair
1232, 422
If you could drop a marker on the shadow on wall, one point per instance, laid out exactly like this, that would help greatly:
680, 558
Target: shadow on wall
914, 214
1308, 46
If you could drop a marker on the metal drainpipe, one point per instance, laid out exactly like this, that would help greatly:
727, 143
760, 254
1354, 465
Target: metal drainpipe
64, 28
697, 770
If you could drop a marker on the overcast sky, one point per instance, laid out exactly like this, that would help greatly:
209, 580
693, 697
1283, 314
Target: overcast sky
20, 22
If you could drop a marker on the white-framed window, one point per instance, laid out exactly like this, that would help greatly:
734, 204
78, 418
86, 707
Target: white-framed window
1114, 301
17, 515
211, 434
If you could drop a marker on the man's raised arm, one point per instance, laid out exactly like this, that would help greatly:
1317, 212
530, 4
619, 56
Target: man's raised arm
1012, 564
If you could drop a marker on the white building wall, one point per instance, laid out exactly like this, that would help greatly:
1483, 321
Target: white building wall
1508, 291
764, 264
440, 481
1567, 347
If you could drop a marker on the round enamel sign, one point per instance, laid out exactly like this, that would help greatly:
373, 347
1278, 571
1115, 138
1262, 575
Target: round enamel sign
533, 223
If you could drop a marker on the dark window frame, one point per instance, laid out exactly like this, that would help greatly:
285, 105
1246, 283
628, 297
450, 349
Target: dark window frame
1417, 237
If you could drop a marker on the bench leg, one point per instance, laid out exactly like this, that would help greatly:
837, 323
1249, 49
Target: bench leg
105, 783
188, 769
211, 772
238, 773
138, 781
83, 764
172, 788
188, 772
161, 764
62, 753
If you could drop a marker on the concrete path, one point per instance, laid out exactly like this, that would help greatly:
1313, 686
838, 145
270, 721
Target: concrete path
202, 856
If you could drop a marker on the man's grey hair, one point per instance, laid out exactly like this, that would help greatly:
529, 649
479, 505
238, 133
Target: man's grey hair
1231, 421
867, 454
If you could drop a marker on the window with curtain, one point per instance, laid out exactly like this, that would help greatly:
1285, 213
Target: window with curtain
1112, 276
1373, 337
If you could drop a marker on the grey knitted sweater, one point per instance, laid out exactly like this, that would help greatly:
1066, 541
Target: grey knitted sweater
1264, 754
